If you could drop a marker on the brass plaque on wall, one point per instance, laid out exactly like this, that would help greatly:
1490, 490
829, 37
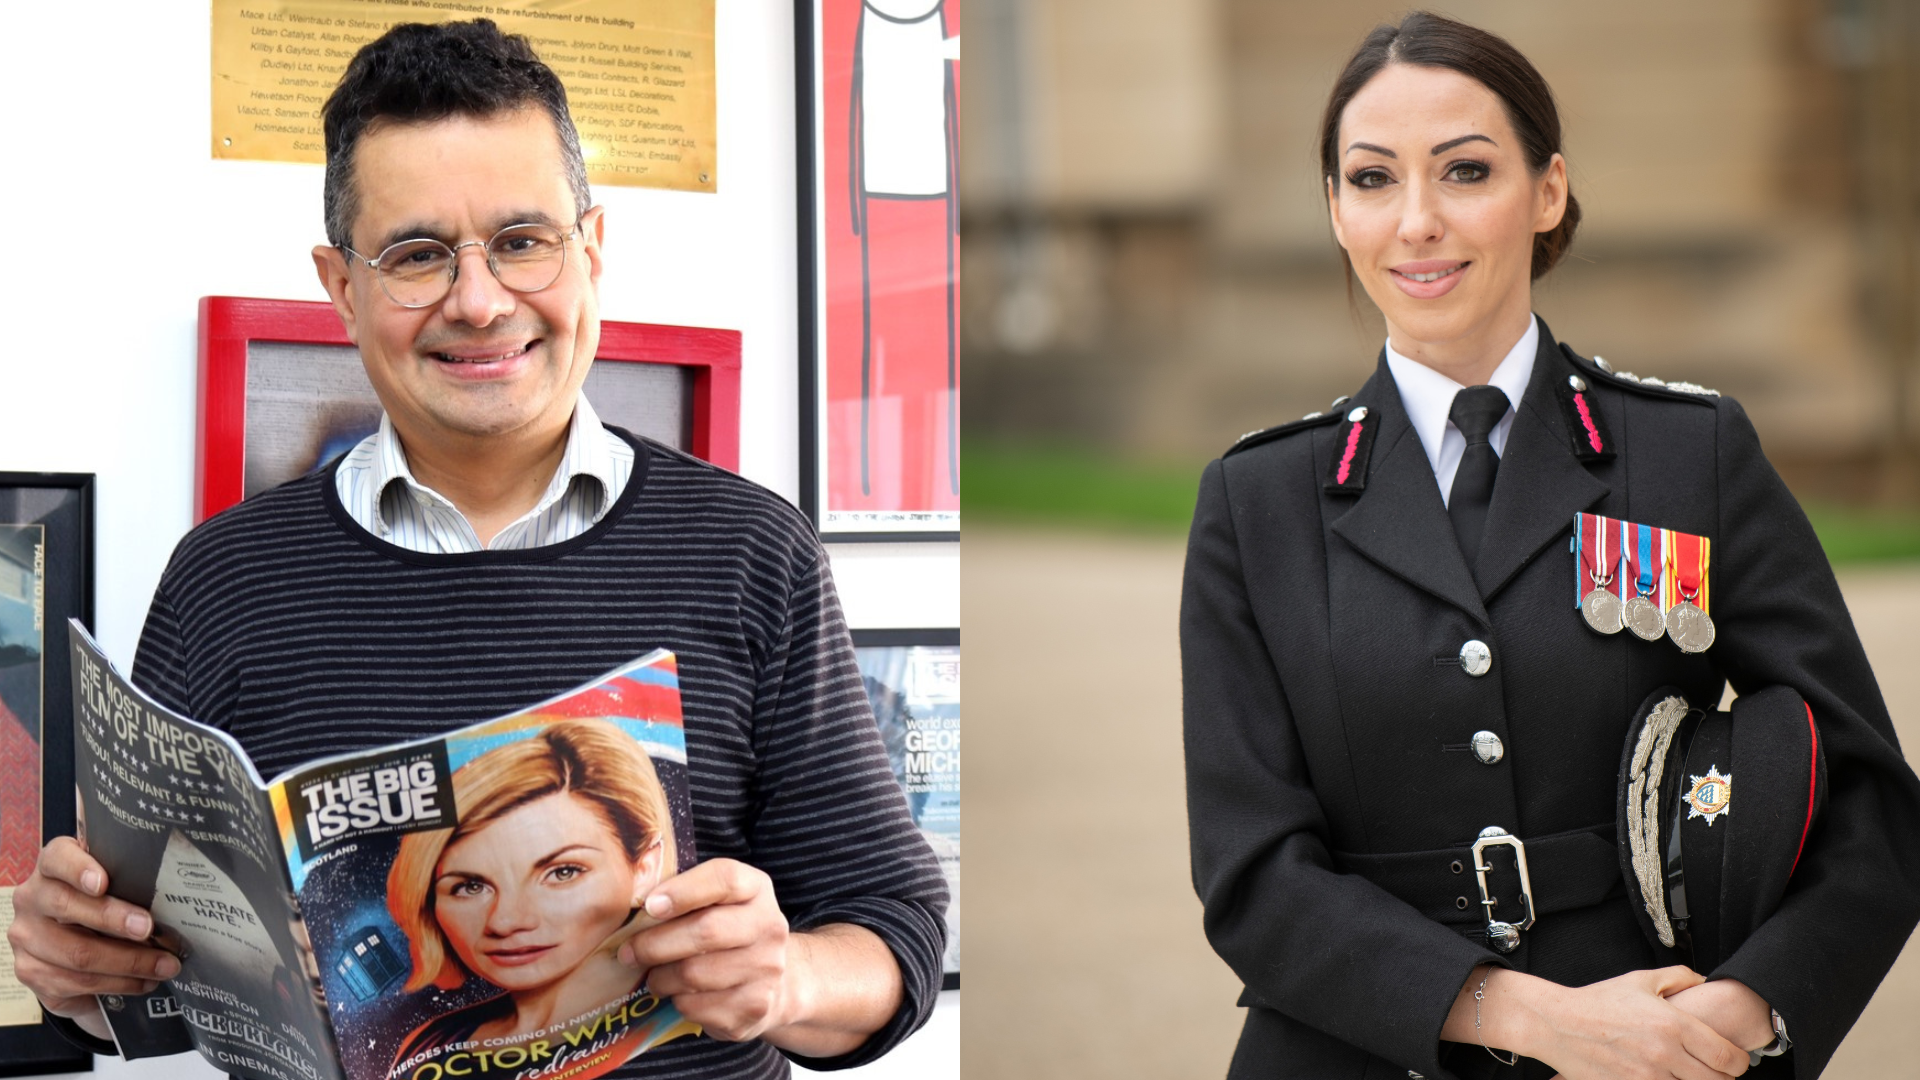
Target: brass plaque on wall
639, 77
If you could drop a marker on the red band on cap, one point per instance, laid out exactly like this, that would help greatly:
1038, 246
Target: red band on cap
1813, 778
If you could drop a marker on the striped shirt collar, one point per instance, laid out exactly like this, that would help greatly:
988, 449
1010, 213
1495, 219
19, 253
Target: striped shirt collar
596, 463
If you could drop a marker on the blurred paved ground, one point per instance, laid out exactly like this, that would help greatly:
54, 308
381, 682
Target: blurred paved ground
1084, 951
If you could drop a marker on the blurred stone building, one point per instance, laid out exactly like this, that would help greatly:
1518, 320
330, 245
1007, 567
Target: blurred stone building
1148, 265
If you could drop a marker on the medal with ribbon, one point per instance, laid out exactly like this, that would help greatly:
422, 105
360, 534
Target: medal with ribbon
1653, 581
1687, 621
1597, 542
1647, 570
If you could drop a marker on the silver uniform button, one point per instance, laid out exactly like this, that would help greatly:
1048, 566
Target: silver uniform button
1475, 658
1339, 401
1503, 937
1579, 384
1358, 414
1488, 747
1601, 363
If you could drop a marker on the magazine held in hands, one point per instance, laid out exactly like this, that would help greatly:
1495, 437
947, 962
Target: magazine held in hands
444, 908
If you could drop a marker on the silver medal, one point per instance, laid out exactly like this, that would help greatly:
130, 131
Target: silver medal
1643, 617
1689, 627
1602, 610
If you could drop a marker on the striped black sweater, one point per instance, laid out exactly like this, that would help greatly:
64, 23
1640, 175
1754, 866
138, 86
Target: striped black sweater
289, 626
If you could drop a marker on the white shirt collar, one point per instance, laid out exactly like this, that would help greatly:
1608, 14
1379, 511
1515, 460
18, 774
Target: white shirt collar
587, 454
1428, 397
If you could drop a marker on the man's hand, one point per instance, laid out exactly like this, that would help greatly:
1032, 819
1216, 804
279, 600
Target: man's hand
1729, 1007
720, 951
1624, 1027
725, 956
71, 941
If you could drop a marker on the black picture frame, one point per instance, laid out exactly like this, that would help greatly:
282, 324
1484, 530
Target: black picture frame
812, 187
53, 512
871, 646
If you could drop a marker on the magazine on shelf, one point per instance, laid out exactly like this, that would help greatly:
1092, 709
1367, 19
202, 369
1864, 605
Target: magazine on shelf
449, 907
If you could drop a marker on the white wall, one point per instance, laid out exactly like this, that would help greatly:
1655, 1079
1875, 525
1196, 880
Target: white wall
120, 222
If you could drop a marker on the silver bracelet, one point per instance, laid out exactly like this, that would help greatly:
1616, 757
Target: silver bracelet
1479, 994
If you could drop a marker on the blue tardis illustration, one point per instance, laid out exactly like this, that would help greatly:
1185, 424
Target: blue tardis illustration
370, 965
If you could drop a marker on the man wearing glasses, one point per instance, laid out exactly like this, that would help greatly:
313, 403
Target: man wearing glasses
494, 533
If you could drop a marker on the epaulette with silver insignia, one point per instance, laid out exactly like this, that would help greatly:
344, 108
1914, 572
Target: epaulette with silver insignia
1261, 435
1693, 388
1649, 380
1678, 391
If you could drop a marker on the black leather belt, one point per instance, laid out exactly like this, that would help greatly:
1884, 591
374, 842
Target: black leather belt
1566, 871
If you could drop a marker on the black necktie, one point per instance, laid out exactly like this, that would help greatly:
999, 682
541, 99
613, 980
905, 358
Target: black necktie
1476, 409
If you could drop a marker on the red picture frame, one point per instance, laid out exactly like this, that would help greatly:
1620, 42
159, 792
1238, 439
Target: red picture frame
230, 324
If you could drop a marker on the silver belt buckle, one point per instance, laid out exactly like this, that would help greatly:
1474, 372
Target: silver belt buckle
1502, 936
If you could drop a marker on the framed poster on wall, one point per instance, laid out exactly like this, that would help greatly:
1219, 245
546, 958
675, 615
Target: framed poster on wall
46, 578
282, 392
879, 216
913, 682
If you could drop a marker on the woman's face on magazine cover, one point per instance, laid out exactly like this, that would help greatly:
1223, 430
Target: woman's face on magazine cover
1436, 204
526, 898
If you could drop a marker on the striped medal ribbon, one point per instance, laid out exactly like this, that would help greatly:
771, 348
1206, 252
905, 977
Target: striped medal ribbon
1597, 540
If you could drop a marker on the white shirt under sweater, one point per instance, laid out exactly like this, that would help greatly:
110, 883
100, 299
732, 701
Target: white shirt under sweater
1428, 397
382, 496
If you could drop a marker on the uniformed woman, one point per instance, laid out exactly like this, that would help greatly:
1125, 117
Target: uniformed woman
1385, 659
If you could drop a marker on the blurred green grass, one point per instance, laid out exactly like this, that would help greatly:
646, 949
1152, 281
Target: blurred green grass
1856, 535
1073, 486
1054, 485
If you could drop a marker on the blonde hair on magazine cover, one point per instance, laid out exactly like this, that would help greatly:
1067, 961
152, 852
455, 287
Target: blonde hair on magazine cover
592, 760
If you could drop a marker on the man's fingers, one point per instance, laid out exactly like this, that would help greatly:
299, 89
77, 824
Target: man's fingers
69, 886
65, 962
716, 1025
708, 930
79, 952
720, 952
717, 881
708, 973
65, 903
667, 981
69, 1006
64, 860
722, 1016
83, 989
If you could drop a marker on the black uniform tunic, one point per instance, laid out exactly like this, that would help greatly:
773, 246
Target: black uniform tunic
1332, 794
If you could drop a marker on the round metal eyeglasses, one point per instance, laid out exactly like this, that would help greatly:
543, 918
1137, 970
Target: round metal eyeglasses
419, 273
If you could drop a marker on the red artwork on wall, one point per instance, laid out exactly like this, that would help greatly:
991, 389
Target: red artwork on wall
19, 799
887, 373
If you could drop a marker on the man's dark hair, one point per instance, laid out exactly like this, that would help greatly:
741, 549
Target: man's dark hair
416, 73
